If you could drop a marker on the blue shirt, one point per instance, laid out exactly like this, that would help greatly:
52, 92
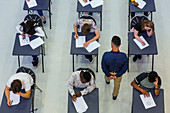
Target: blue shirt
114, 62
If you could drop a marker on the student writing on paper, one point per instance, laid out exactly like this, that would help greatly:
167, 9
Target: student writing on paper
82, 78
17, 82
31, 27
86, 24
147, 80
114, 65
40, 12
140, 27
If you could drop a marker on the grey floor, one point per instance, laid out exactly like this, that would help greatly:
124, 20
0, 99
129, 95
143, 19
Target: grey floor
58, 61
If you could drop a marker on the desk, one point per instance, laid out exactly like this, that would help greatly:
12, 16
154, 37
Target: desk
92, 100
138, 107
27, 50
88, 8
133, 49
83, 51
149, 7
23, 107
41, 5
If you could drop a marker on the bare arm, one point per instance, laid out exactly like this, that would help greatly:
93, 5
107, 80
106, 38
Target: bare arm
93, 39
157, 89
145, 93
137, 37
7, 95
27, 94
75, 30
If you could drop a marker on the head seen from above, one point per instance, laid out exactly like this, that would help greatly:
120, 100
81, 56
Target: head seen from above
85, 29
85, 77
152, 76
148, 25
16, 86
116, 42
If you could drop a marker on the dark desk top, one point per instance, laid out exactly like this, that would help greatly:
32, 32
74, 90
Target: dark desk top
23, 107
41, 5
88, 8
138, 107
135, 50
92, 100
81, 51
149, 7
24, 50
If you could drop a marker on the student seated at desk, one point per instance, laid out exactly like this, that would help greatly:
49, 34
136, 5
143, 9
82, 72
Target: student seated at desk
147, 80
41, 14
81, 79
31, 27
86, 26
17, 82
146, 26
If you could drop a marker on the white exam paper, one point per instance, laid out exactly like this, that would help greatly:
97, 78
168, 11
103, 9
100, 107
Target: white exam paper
141, 3
140, 44
36, 43
148, 102
31, 3
80, 41
15, 98
92, 46
96, 3
80, 105
84, 3
24, 41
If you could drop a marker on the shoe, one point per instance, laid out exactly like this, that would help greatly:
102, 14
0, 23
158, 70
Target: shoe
90, 13
35, 63
134, 58
43, 19
140, 56
107, 82
114, 97
91, 59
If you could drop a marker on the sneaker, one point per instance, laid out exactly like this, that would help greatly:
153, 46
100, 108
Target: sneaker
43, 19
134, 58
90, 13
114, 97
35, 63
91, 59
140, 56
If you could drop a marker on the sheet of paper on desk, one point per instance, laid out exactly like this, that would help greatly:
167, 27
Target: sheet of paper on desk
80, 105
148, 102
15, 98
31, 3
24, 41
36, 43
140, 44
92, 46
96, 3
84, 3
80, 41
141, 3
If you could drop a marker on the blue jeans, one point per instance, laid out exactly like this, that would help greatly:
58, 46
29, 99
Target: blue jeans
40, 12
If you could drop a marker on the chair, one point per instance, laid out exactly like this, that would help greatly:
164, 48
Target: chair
87, 70
89, 17
37, 18
137, 19
34, 86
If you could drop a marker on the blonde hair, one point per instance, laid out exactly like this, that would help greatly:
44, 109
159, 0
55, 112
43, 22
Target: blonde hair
147, 23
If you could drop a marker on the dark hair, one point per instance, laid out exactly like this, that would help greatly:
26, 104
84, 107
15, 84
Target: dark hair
29, 26
152, 76
86, 76
116, 41
16, 86
85, 29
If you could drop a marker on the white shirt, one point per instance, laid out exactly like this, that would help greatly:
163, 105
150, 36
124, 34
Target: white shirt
26, 80
76, 82
39, 31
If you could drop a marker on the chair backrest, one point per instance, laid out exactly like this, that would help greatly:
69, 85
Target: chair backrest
34, 17
89, 17
88, 70
137, 19
27, 70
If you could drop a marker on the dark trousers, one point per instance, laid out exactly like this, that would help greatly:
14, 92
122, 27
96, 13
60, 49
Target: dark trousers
88, 56
40, 12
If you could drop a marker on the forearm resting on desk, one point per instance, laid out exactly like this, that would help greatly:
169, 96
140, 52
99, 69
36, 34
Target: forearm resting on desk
157, 90
25, 95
